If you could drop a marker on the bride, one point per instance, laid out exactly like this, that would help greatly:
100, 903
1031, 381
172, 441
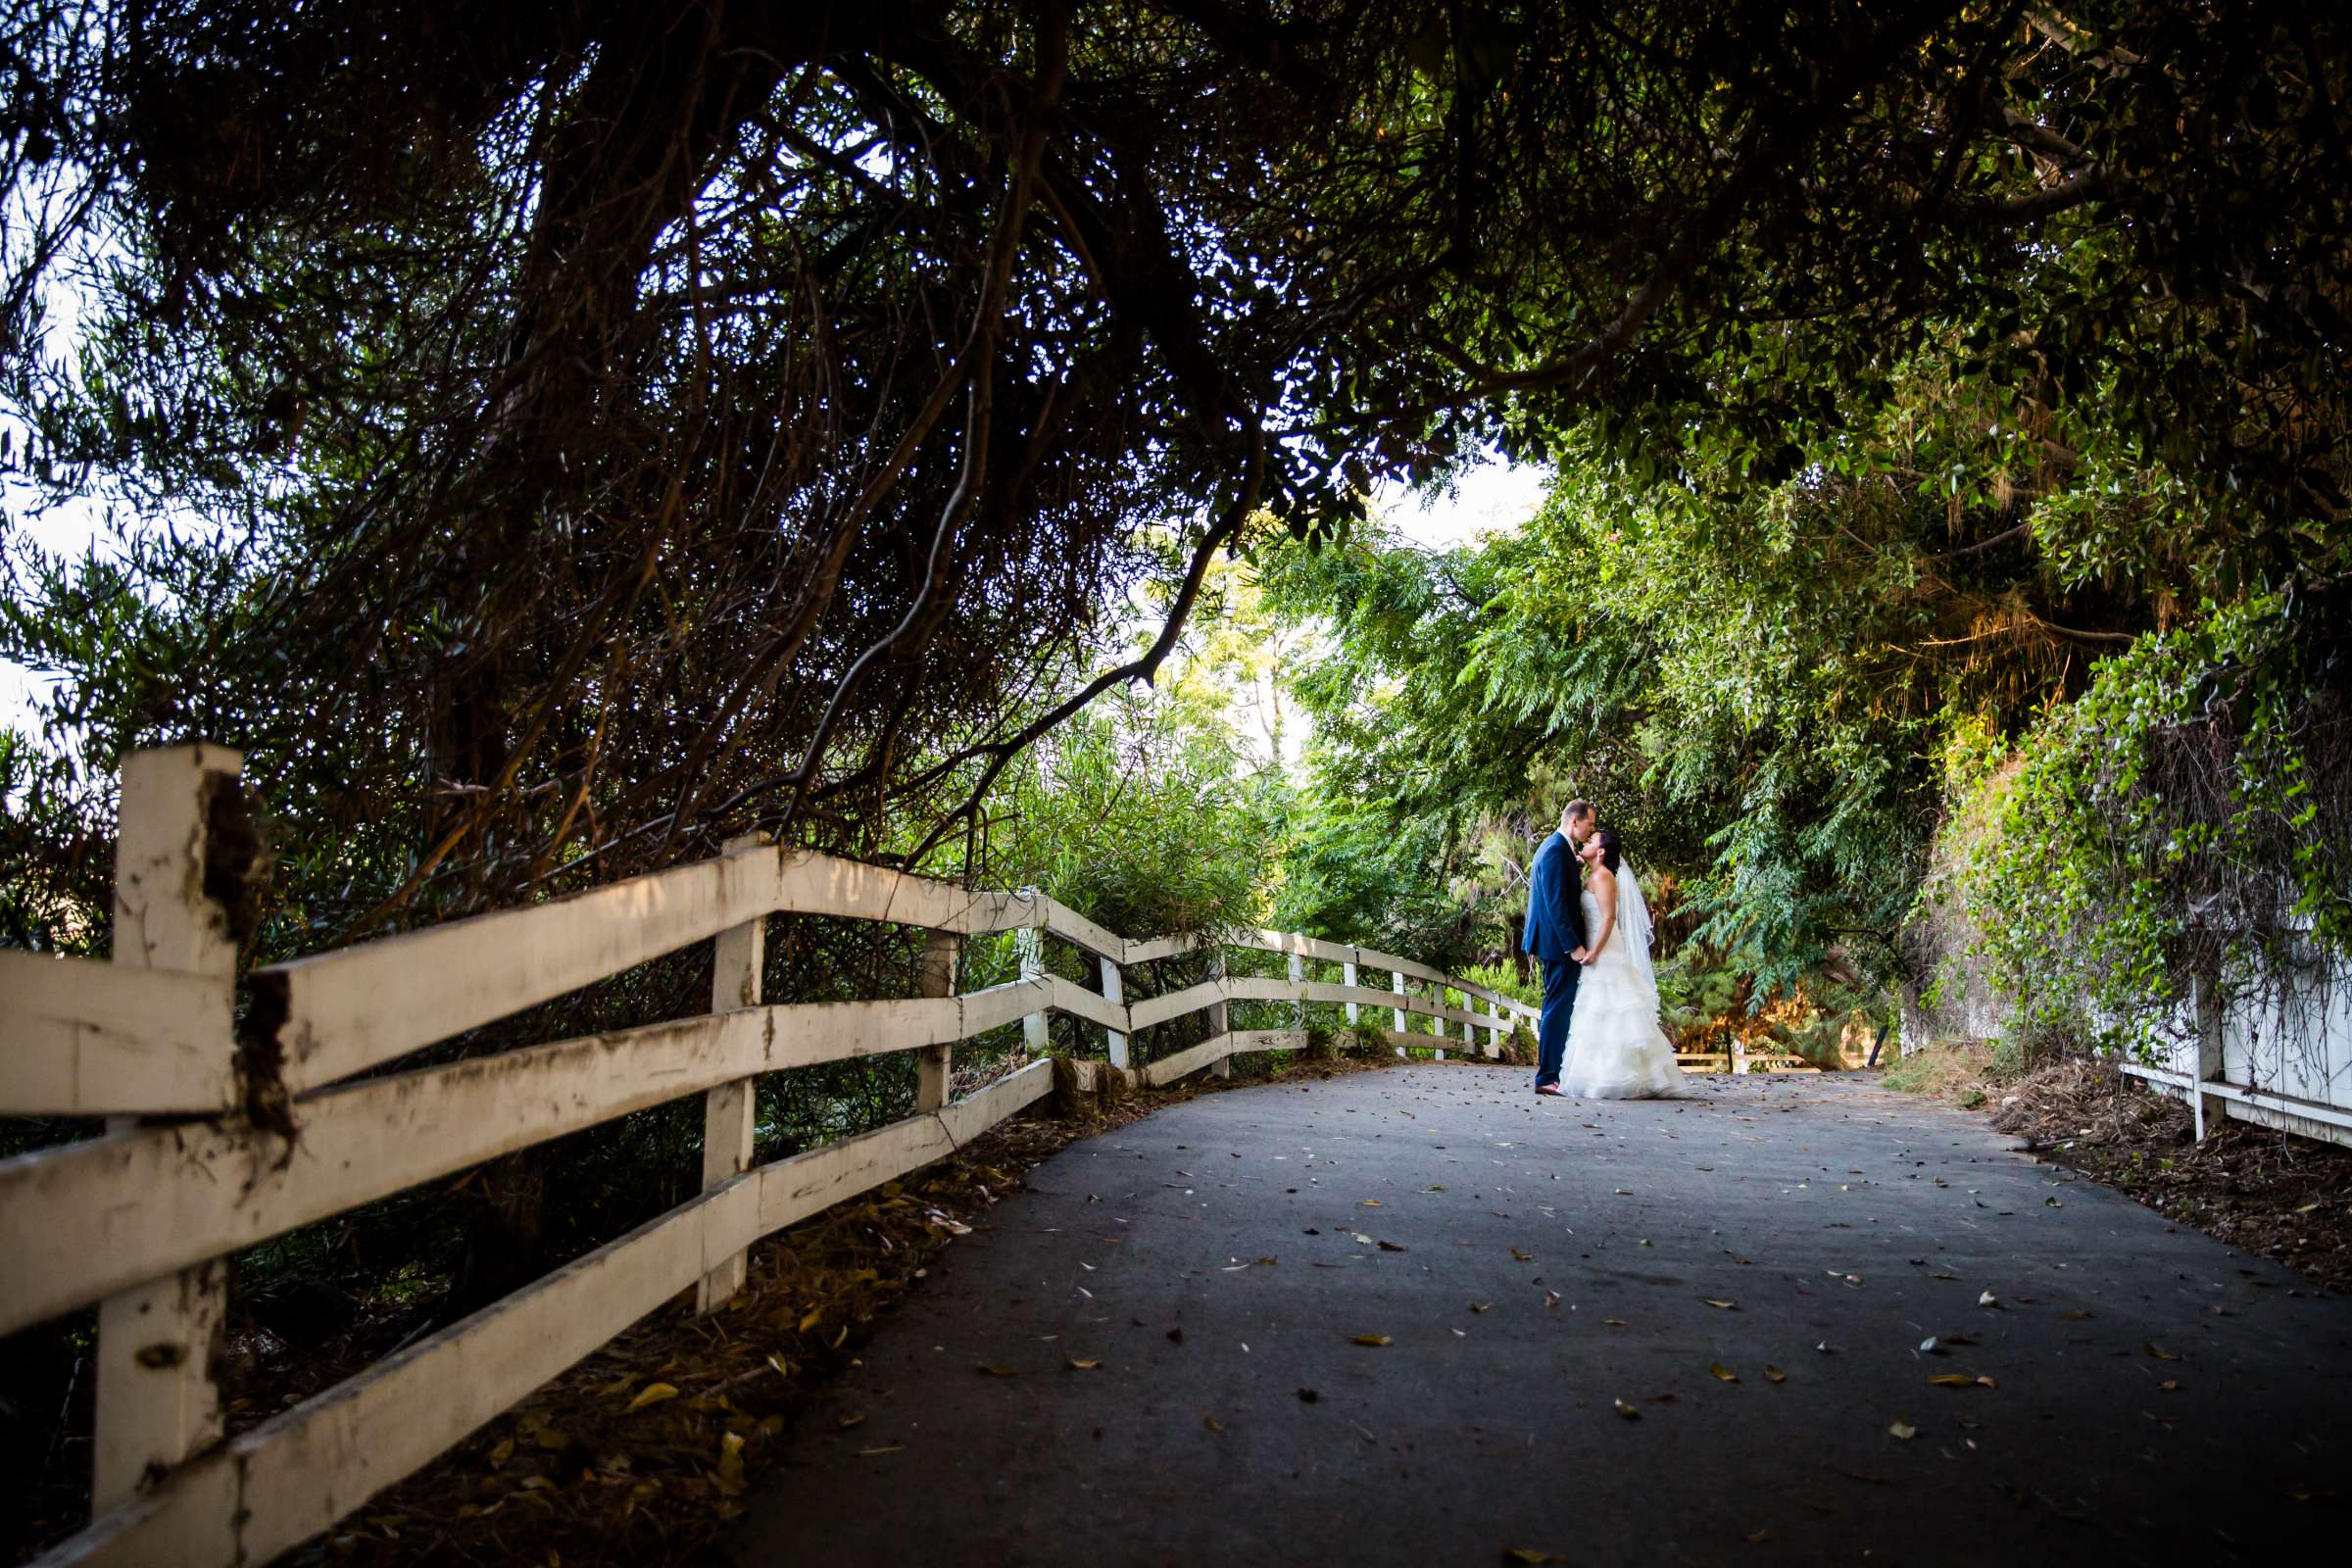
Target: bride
1616, 1050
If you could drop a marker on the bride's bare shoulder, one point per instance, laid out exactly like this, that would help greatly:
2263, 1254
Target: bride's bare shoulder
1604, 880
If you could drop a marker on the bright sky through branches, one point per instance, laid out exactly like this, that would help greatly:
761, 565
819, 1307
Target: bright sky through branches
1492, 498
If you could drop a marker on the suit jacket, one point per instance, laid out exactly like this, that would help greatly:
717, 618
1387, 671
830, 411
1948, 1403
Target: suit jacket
1555, 914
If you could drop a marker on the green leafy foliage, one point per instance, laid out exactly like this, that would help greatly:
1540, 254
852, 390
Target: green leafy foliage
2181, 823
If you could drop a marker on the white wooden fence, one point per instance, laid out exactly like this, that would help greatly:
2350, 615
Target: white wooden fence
212, 1146
2285, 1061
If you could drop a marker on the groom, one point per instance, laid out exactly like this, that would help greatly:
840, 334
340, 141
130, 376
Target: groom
1555, 934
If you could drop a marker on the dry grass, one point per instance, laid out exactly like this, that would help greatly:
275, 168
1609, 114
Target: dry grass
1960, 1071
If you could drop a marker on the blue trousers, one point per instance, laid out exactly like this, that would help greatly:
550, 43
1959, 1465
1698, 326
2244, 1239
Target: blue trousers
1559, 1000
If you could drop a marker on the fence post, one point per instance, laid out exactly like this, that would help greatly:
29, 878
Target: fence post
1111, 993
1348, 978
157, 1404
1396, 984
738, 956
1298, 978
1029, 944
940, 952
2208, 1111
1220, 1019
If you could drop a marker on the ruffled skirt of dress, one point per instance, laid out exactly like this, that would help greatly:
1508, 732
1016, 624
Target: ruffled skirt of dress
1616, 1050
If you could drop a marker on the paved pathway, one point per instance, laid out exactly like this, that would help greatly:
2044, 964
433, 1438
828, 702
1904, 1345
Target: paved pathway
1530, 1264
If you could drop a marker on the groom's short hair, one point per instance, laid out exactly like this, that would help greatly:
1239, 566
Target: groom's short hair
1580, 806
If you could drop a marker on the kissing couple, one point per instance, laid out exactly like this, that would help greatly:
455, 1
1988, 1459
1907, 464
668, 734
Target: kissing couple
1600, 1031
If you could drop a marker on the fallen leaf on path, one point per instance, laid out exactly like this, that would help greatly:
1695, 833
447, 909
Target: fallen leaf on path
996, 1370
1903, 1429
1390, 1246
1083, 1363
1212, 1423
1718, 1370
2157, 1350
2169, 1385
1758, 1538
1728, 1307
1629, 1412
2075, 1316
1987, 1299
1375, 1341
1613, 1322
870, 1453
1524, 1258
1370, 1202
1961, 1380
1773, 1374
1482, 1307
653, 1394
1530, 1554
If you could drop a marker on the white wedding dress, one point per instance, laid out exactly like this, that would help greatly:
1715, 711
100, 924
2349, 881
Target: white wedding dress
1616, 1050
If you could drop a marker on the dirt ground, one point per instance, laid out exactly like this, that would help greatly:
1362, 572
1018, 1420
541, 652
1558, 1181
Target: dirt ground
2259, 1191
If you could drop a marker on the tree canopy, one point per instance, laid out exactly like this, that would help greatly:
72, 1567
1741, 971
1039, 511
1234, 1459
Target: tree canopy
573, 434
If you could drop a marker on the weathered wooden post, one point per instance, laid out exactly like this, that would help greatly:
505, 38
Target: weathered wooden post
156, 1404
932, 1062
1298, 978
1348, 978
738, 956
1029, 944
1220, 1018
1396, 984
2207, 1111
1114, 995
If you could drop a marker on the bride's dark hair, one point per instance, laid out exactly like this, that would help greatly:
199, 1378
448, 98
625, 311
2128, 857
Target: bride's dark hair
1608, 841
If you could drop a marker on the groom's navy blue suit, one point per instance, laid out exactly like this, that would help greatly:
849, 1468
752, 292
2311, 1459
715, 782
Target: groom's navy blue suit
1556, 928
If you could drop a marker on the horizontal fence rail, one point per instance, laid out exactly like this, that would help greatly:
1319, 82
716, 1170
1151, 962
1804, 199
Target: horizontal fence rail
272, 1128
